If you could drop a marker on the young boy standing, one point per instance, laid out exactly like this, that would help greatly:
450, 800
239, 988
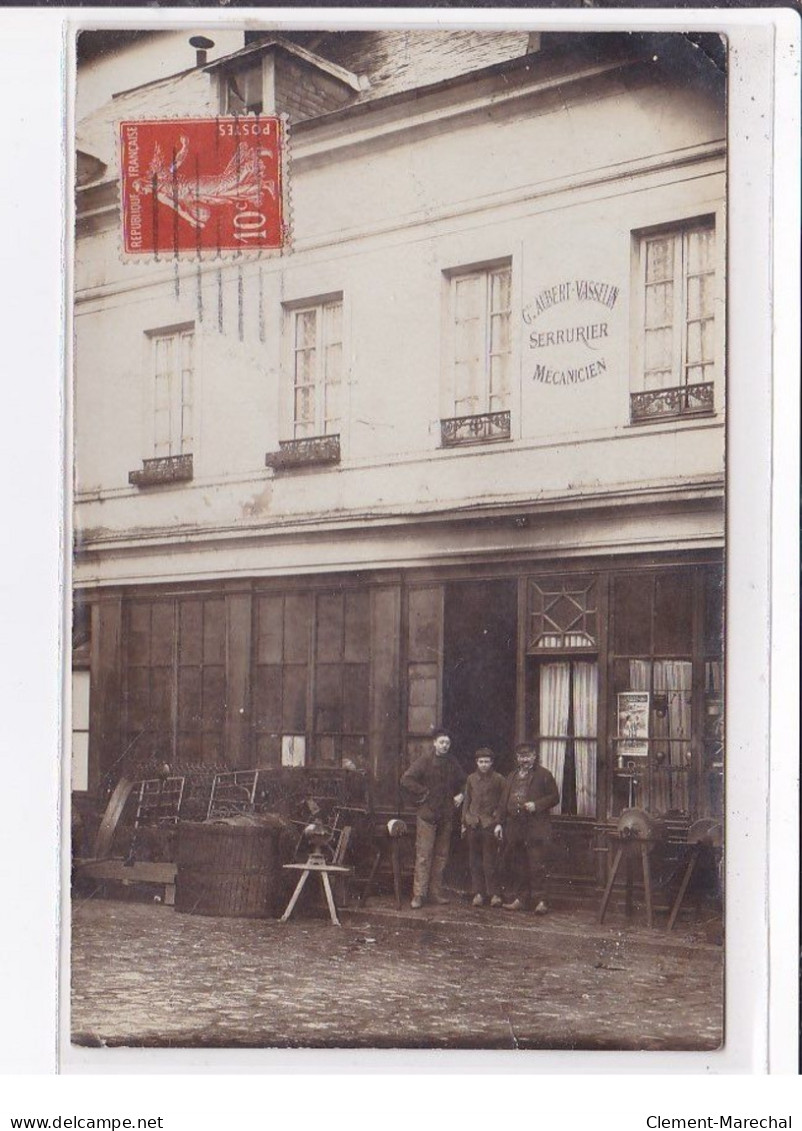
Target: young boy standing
481, 813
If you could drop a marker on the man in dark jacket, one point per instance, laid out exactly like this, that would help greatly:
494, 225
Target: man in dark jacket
481, 813
434, 782
530, 792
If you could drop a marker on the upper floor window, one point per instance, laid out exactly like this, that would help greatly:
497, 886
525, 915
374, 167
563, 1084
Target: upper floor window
170, 416
482, 351
173, 375
317, 363
480, 356
678, 339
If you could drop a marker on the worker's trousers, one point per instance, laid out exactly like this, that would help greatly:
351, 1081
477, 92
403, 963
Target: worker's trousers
525, 861
432, 843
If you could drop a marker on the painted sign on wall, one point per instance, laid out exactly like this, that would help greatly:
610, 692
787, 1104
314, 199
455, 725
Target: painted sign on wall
568, 330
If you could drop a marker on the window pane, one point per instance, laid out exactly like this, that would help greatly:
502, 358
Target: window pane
700, 247
269, 634
332, 409
469, 292
294, 699
658, 349
297, 618
694, 342
306, 328
469, 340
357, 625
500, 288
305, 362
467, 393
632, 605
355, 698
267, 698
333, 323
328, 698
305, 405
190, 621
189, 699
499, 382
330, 627
660, 259
659, 304
334, 363
700, 296
673, 614
500, 333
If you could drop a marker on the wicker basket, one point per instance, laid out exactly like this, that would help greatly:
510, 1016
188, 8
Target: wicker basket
229, 868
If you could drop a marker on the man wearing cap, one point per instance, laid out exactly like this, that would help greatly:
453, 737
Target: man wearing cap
434, 782
481, 813
529, 793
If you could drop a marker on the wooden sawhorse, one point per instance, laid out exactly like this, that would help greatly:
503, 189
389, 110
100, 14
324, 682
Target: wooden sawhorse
391, 845
315, 863
627, 850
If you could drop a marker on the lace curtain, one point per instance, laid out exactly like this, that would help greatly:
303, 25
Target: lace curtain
555, 681
672, 678
555, 698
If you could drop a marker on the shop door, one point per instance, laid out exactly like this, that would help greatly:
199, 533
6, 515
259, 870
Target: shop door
479, 668
564, 712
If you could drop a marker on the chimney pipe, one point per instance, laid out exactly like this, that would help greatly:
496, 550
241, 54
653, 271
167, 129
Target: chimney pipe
201, 45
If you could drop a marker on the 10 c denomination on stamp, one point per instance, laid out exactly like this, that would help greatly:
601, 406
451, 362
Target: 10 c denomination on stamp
202, 185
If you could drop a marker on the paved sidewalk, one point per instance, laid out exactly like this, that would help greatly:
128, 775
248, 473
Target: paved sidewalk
453, 977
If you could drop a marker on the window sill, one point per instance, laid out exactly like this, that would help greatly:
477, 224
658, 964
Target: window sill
680, 403
311, 451
478, 429
162, 470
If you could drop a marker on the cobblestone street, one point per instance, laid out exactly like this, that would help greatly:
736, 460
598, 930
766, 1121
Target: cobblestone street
145, 975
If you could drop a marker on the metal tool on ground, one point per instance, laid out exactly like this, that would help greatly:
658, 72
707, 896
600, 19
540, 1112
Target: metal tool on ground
319, 837
636, 835
705, 837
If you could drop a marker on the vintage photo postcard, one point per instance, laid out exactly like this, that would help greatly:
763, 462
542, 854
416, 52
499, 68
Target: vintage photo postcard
400, 390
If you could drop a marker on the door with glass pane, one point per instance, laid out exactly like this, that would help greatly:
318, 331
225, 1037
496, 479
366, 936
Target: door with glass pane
564, 696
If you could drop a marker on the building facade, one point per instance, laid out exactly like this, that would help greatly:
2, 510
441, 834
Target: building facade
455, 457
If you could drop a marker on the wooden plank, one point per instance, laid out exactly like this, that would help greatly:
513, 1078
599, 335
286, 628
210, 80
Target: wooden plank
143, 871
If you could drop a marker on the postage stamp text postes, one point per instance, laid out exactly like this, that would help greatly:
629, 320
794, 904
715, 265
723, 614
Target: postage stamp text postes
202, 185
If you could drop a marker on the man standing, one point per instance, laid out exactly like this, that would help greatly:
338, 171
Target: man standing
481, 813
530, 792
434, 782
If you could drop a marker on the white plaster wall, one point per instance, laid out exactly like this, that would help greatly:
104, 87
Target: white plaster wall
626, 160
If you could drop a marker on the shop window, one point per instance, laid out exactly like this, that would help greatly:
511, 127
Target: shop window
480, 304
677, 284
652, 684
342, 675
174, 680
311, 706
282, 631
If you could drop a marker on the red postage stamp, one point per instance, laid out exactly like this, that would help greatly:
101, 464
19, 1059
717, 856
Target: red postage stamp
197, 185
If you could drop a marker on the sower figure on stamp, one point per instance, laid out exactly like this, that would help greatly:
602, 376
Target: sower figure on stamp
434, 782
481, 814
530, 793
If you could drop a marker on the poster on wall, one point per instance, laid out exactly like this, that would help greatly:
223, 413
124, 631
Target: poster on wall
633, 724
